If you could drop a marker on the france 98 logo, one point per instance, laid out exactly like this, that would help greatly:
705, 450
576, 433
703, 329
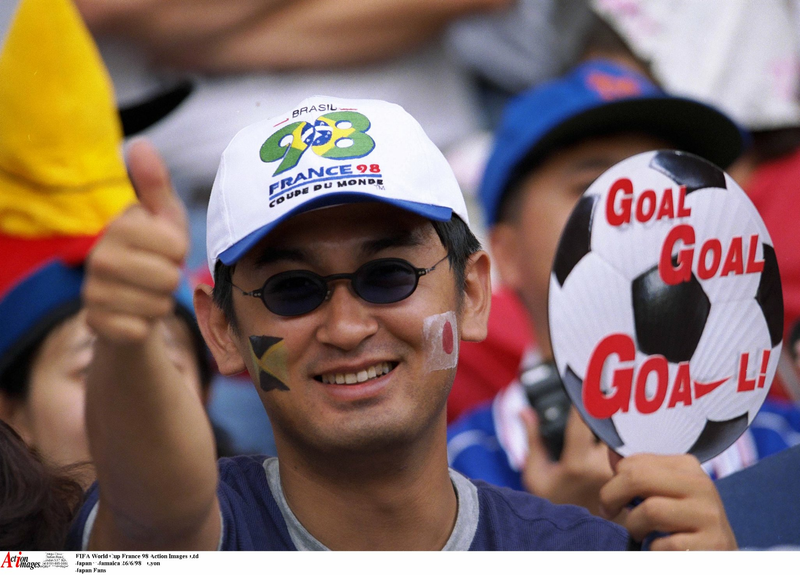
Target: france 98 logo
334, 135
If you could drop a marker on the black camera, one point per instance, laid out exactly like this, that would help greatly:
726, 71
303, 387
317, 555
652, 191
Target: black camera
548, 398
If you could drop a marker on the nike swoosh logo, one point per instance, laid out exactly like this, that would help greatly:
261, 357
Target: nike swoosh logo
701, 389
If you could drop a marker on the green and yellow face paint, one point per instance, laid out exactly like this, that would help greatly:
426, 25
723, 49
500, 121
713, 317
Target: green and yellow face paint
270, 359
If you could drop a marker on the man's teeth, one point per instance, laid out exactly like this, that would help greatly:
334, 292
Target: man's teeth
358, 377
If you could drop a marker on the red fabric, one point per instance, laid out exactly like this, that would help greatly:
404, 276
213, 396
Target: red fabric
201, 275
22, 255
775, 191
487, 367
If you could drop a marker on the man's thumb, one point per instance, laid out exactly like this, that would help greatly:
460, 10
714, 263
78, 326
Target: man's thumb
537, 452
151, 181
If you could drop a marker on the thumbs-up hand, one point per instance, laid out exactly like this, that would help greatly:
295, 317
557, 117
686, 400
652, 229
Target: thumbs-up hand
135, 267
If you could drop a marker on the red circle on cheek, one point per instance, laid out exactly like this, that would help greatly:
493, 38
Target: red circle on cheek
447, 338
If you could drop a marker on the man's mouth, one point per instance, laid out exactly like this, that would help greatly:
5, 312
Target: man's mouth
361, 376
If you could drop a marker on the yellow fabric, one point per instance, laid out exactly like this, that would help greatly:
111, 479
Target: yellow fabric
61, 167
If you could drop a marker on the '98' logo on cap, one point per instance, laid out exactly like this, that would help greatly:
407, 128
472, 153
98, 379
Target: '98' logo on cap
336, 135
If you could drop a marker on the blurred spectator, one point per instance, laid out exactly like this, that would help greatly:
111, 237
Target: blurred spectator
554, 141
61, 180
47, 350
487, 367
756, 81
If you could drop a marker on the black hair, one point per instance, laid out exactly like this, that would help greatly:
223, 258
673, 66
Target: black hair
455, 235
201, 352
16, 376
17, 361
770, 145
37, 503
460, 243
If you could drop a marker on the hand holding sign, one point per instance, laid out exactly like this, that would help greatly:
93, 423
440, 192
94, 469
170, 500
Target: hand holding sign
679, 507
136, 266
665, 307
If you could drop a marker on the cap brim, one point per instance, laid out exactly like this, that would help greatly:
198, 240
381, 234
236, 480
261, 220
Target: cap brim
232, 255
688, 125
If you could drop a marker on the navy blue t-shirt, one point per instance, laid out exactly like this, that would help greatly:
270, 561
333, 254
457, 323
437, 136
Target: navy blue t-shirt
508, 520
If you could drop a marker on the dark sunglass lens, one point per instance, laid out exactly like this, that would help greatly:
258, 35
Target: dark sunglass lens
294, 293
385, 281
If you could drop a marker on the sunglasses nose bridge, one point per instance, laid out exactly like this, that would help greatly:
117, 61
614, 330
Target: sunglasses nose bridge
337, 278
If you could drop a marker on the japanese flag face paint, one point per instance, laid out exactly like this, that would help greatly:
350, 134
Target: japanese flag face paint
441, 341
270, 359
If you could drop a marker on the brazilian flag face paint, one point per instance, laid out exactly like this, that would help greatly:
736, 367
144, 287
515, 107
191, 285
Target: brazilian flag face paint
270, 359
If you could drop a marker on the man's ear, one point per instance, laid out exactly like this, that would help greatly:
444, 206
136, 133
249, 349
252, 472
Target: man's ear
504, 242
217, 332
477, 297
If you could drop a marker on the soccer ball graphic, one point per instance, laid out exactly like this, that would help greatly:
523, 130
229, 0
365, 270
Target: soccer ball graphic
665, 307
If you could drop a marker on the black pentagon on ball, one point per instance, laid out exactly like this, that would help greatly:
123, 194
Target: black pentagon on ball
770, 295
688, 170
717, 436
603, 428
669, 319
575, 238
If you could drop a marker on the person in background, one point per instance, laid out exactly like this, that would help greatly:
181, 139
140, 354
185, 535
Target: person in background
46, 349
62, 179
555, 139
570, 32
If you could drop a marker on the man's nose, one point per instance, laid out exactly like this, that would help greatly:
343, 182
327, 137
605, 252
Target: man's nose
347, 319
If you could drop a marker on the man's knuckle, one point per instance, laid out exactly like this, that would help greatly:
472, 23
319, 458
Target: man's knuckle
688, 462
103, 262
172, 278
650, 509
163, 306
673, 543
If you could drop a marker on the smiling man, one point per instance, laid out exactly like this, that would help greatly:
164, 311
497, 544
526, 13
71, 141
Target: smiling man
343, 290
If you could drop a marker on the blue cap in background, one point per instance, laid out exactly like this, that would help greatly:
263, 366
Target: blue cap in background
599, 97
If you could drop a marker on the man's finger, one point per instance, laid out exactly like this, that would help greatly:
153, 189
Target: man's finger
538, 462
117, 327
662, 514
123, 298
645, 475
151, 180
137, 268
577, 434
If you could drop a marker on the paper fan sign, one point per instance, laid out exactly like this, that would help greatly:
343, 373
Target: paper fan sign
665, 307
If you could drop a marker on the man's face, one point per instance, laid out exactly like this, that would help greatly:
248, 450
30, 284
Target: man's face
346, 335
524, 247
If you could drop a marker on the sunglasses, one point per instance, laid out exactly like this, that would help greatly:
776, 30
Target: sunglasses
297, 292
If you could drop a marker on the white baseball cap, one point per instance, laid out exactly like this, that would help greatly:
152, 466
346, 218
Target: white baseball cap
326, 151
